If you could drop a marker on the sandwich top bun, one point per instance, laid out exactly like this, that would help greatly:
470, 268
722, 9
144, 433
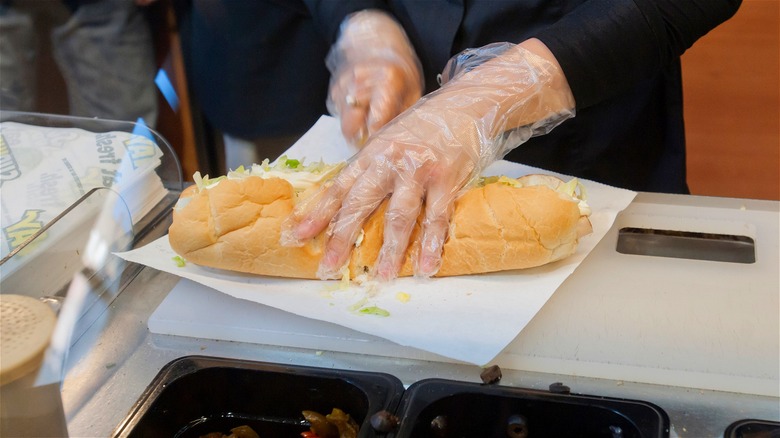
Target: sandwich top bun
235, 223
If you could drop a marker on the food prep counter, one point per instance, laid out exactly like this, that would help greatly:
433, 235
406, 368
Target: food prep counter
116, 359
686, 321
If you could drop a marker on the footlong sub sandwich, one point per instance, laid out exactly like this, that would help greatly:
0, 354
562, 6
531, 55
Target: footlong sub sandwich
234, 222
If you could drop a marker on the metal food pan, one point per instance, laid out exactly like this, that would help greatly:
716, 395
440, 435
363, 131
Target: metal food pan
195, 395
445, 408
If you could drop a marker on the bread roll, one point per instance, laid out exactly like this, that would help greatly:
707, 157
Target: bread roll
501, 225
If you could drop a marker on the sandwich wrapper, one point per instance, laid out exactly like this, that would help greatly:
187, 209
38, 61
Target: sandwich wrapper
467, 318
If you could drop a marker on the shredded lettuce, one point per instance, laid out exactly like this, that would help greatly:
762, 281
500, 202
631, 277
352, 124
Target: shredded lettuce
374, 310
344, 283
301, 175
355, 307
180, 262
576, 190
204, 182
292, 163
570, 188
361, 308
573, 188
198, 180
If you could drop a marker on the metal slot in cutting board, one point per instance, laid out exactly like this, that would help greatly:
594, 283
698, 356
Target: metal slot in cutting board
690, 323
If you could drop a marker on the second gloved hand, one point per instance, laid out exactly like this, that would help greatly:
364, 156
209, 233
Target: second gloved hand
375, 74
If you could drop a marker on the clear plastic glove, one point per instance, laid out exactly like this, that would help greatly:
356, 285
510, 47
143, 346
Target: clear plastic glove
493, 100
375, 74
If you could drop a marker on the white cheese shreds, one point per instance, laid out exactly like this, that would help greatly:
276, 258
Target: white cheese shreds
300, 176
573, 189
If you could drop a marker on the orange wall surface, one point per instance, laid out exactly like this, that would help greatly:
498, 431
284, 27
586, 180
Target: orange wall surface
732, 106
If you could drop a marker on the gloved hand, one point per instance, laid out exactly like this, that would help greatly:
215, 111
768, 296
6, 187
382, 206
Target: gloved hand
493, 100
375, 74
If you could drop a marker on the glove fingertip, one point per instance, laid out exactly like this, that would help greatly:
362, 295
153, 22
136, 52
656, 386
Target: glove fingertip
360, 137
428, 266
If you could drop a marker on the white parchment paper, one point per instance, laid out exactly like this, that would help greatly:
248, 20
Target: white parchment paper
469, 318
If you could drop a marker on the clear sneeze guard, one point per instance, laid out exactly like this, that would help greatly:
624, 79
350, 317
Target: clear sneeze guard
73, 191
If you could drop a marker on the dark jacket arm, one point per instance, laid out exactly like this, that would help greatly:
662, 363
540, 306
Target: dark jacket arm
606, 46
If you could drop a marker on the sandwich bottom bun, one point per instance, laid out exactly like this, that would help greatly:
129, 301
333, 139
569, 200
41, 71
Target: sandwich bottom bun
236, 225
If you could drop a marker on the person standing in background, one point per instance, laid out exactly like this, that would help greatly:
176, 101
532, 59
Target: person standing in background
103, 49
257, 72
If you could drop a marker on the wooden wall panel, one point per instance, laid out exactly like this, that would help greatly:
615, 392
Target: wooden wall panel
732, 106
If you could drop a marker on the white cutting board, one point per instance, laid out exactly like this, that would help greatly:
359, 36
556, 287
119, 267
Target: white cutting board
680, 322
690, 323
184, 310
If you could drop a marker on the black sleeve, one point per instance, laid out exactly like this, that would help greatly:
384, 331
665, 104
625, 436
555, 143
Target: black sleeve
605, 46
328, 14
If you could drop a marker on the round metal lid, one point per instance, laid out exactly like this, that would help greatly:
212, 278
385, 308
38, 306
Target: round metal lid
26, 325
